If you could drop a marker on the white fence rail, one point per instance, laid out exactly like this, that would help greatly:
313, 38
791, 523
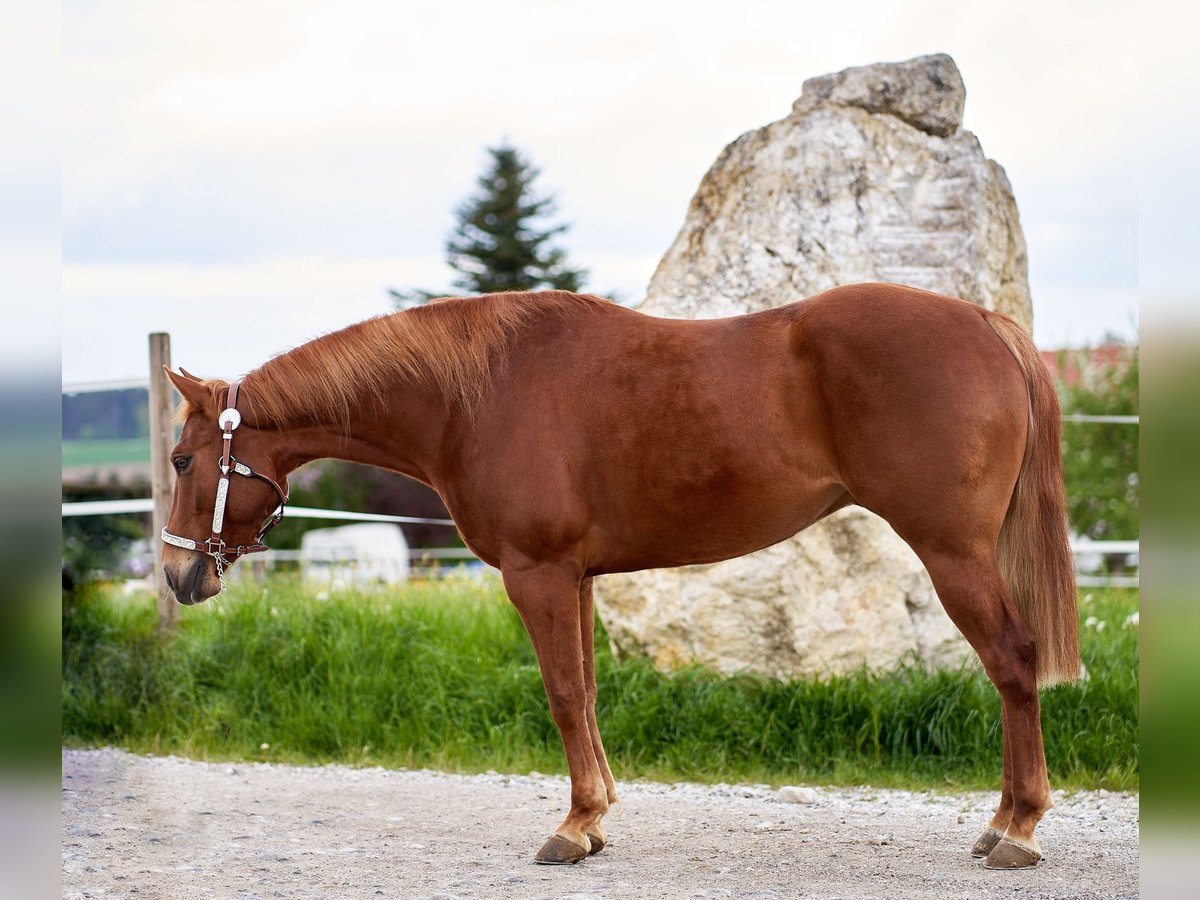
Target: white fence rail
1103, 420
145, 505
1080, 547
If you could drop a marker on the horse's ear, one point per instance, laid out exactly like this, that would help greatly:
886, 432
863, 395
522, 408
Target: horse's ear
187, 374
194, 391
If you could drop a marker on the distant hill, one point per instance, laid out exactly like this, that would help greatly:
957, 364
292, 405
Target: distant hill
106, 443
105, 415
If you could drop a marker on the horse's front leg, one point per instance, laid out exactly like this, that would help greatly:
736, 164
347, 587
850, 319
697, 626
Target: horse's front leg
547, 596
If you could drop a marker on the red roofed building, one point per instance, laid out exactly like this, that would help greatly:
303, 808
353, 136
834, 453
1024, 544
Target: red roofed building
1070, 367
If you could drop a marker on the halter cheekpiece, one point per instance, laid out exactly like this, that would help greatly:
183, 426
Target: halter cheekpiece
214, 546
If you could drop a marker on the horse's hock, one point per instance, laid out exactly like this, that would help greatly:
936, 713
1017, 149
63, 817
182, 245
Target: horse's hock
871, 178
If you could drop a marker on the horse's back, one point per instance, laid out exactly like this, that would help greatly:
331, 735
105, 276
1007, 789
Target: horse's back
654, 442
657, 442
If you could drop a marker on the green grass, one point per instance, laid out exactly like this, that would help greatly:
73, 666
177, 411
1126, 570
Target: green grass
100, 452
441, 674
1172, 729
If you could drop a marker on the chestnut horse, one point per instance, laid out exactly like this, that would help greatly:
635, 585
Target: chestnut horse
570, 437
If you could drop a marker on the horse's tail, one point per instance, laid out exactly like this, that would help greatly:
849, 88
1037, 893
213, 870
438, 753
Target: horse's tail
1035, 554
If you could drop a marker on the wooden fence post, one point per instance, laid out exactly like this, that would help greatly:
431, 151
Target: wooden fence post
162, 438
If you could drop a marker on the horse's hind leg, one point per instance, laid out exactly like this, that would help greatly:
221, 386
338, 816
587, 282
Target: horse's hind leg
977, 600
596, 836
548, 600
999, 824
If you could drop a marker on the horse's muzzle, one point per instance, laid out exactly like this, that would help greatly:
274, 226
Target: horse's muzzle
188, 586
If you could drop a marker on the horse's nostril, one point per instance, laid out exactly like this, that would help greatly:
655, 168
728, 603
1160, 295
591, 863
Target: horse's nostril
171, 581
193, 579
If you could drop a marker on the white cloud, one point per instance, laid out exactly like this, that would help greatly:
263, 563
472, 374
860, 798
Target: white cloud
1072, 316
226, 319
654, 90
310, 152
30, 225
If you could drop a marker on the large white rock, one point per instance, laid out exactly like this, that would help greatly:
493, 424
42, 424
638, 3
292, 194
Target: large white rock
844, 593
871, 178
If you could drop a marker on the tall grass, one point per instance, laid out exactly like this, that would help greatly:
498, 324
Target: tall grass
441, 674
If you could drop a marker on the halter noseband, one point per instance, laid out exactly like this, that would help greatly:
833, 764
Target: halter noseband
214, 546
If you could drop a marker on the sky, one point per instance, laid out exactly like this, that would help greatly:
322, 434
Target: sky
247, 176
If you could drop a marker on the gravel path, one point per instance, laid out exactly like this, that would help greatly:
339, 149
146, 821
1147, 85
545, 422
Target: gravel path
148, 827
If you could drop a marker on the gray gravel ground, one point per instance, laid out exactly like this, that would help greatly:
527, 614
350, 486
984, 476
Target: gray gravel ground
147, 827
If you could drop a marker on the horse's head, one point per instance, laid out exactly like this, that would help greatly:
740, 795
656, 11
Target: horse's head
225, 499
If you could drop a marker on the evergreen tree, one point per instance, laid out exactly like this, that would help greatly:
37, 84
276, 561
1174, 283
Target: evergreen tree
501, 242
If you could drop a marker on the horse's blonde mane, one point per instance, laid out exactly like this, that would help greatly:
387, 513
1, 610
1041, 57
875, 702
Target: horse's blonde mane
456, 345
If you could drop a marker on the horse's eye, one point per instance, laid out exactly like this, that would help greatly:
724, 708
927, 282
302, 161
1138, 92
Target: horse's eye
181, 463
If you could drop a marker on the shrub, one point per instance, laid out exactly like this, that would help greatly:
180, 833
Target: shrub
1100, 460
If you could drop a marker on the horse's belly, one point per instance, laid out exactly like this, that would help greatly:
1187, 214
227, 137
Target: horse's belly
711, 528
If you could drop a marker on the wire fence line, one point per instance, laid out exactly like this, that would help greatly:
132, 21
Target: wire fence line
1079, 546
432, 558
126, 384
146, 504
1107, 581
1103, 420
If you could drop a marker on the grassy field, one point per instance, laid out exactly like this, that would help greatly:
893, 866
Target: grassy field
98, 452
441, 674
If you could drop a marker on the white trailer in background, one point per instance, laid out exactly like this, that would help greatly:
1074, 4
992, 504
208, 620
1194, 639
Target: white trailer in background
355, 555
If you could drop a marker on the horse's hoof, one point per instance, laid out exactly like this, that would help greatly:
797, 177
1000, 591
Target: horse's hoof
597, 840
1008, 854
987, 841
558, 851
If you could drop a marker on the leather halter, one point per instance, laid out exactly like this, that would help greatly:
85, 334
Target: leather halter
214, 546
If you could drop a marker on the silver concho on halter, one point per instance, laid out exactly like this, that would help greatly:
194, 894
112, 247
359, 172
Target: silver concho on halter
230, 419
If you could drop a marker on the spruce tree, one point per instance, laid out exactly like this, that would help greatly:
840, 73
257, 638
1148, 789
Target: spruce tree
501, 242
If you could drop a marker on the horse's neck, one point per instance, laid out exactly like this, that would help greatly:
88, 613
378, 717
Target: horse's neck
402, 434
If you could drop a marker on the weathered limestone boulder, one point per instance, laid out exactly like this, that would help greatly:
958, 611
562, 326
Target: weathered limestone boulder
845, 592
871, 178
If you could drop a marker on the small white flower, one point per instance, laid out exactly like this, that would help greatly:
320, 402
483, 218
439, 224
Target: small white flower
1090, 622
1132, 620
264, 746
1100, 625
